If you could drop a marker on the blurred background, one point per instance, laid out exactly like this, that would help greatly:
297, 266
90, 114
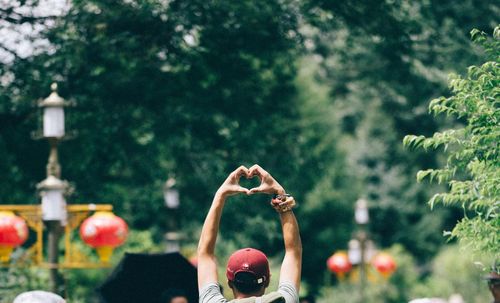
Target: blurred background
319, 93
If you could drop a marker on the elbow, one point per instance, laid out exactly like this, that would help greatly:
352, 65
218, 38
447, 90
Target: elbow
298, 251
295, 250
204, 251
201, 251
203, 257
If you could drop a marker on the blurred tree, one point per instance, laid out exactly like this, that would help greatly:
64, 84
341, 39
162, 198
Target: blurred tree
381, 61
196, 88
472, 169
326, 212
398, 288
454, 272
192, 89
21, 24
186, 88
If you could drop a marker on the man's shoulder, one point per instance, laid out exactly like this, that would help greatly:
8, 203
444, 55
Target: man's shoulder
211, 293
289, 292
273, 297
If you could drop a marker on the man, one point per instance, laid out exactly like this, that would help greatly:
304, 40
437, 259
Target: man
493, 279
248, 269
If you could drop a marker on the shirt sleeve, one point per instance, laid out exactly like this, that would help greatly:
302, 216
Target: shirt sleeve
288, 291
211, 293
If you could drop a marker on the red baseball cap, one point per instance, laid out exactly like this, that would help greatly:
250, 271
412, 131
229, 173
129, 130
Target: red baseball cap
248, 260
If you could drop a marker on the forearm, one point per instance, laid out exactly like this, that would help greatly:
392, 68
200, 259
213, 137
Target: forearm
291, 235
291, 267
206, 245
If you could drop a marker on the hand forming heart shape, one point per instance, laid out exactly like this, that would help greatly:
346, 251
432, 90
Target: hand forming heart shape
267, 185
248, 182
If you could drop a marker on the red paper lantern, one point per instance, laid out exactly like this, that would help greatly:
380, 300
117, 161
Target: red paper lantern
104, 231
13, 232
384, 264
339, 263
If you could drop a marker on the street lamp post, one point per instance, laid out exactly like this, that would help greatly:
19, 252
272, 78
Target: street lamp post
358, 247
361, 253
52, 190
55, 216
172, 202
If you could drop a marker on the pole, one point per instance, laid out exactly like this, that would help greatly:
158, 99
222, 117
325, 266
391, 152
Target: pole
361, 216
362, 267
172, 237
54, 226
54, 233
53, 167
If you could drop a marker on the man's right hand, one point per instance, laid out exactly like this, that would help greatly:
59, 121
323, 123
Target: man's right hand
268, 184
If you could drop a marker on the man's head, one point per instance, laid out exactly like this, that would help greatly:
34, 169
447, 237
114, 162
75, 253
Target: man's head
248, 271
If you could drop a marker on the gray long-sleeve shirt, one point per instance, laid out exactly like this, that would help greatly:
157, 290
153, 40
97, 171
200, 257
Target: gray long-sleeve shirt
211, 293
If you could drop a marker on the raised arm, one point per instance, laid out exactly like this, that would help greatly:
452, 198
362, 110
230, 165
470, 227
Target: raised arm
207, 262
292, 263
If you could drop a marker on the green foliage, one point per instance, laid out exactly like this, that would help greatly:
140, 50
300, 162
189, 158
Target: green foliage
397, 289
331, 195
151, 104
472, 169
454, 272
320, 93
15, 280
380, 61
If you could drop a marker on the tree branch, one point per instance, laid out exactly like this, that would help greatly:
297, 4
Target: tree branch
13, 17
8, 50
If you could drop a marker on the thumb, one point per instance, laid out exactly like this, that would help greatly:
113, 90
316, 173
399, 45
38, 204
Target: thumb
241, 189
256, 190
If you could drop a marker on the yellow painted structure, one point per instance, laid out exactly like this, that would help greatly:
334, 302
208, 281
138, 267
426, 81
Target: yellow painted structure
73, 256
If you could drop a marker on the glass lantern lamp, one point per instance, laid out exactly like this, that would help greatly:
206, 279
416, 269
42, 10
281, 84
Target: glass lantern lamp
171, 194
361, 212
52, 192
53, 114
354, 251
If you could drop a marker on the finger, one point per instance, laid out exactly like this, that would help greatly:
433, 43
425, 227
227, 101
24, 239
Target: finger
248, 175
290, 201
242, 189
254, 190
233, 174
246, 172
240, 171
254, 166
256, 170
258, 189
